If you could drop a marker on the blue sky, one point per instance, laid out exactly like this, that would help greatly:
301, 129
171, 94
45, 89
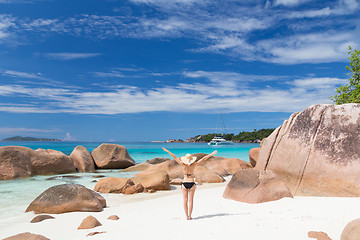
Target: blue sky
141, 70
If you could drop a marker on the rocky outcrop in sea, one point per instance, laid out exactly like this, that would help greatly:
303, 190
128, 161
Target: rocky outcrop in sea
21, 162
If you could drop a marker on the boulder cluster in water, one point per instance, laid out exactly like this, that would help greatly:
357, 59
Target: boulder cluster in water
20, 162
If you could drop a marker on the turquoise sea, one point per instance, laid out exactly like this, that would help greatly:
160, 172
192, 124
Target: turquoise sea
16, 195
141, 151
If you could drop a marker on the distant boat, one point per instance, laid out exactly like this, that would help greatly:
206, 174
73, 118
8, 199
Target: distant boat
219, 140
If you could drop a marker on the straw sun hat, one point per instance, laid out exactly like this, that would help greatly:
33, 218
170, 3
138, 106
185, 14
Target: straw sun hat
188, 159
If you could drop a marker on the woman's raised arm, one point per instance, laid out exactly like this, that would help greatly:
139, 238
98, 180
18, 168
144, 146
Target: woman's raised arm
173, 155
206, 157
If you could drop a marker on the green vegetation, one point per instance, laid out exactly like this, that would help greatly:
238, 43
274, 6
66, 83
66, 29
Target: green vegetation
251, 136
350, 93
32, 139
241, 137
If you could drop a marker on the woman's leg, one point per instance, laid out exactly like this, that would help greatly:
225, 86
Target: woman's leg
191, 200
185, 196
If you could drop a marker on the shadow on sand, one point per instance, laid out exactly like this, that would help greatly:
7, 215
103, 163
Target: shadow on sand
218, 215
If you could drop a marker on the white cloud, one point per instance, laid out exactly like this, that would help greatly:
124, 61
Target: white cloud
342, 7
240, 30
7, 22
232, 45
289, 3
10, 130
217, 76
318, 83
129, 69
17, 1
128, 72
227, 76
312, 13
350, 4
3, 35
164, 2
18, 74
21, 109
307, 48
208, 95
71, 56
69, 137
112, 73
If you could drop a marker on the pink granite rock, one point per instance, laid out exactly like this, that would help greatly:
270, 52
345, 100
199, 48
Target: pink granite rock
316, 152
255, 186
83, 160
109, 156
67, 198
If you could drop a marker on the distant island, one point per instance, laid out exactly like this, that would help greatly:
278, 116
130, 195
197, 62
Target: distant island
243, 137
30, 139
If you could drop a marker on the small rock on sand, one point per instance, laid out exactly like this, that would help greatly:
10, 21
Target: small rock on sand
318, 235
113, 217
89, 222
26, 236
41, 218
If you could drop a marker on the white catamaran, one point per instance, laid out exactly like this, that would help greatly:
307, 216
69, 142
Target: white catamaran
218, 140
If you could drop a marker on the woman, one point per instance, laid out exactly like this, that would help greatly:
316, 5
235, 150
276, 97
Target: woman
188, 186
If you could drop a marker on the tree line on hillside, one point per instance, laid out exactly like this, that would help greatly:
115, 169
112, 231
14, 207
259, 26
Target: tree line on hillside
30, 139
243, 136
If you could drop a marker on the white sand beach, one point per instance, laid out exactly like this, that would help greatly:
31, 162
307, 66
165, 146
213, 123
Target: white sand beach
160, 216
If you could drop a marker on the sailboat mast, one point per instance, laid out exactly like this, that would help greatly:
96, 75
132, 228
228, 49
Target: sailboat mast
221, 129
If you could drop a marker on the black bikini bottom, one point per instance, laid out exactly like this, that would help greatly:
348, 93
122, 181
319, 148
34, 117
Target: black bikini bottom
188, 185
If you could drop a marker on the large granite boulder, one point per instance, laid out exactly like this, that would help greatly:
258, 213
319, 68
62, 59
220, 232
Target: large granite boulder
205, 175
316, 152
27, 236
255, 186
154, 181
171, 167
15, 163
216, 168
118, 185
50, 161
83, 160
221, 165
110, 156
254, 154
137, 168
133, 189
176, 181
351, 231
112, 185
157, 160
67, 198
